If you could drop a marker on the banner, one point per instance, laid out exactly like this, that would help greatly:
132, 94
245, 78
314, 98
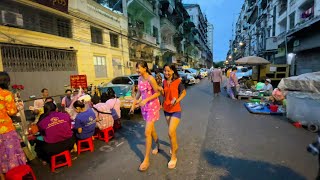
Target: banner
78, 80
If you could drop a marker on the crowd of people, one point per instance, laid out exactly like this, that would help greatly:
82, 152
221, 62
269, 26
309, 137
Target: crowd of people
80, 115
58, 129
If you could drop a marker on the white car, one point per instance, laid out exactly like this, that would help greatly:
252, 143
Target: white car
203, 72
190, 77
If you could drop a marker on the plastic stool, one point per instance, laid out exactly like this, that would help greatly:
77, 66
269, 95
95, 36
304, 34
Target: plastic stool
54, 164
90, 143
104, 134
19, 172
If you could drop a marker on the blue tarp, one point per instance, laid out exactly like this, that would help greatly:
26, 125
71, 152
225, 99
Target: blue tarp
264, 110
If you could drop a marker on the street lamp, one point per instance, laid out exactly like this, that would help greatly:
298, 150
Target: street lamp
230, 57
241, 43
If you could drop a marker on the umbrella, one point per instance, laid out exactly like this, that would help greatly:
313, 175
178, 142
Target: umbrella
252, 60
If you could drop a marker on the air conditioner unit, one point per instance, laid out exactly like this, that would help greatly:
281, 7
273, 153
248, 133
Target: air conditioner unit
129, 64
11, 18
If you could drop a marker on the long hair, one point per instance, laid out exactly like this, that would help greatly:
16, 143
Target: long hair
175, 71
110, 93
144, 65
79, 104
4, 80
47, 109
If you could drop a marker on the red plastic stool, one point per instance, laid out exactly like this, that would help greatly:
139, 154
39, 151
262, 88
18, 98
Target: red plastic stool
54, 164
19, 172
104, 134
96, 133
90, 143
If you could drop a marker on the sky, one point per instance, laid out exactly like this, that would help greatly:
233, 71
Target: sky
220, 13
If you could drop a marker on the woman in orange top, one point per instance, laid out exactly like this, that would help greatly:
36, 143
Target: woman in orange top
11, 153
173, 92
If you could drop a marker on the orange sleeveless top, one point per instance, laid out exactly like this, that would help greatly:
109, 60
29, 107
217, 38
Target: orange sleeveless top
171, 91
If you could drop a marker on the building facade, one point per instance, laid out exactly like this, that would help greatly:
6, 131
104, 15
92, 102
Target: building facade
43, 43
200, 21
210, 37
279, 30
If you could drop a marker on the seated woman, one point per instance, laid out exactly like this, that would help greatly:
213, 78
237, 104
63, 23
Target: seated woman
85, 121
55, 127
114, 105
277, 97
103, 113
267, 88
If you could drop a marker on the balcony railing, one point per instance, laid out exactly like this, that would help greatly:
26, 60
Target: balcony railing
149, 38
145, 3
168, 46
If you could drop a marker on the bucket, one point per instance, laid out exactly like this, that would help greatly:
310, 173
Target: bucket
273, 108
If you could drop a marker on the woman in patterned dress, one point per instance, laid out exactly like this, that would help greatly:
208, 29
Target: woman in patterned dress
11, 153
150, 107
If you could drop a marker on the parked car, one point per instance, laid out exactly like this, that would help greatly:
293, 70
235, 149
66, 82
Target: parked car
123, 80
243, 72
189, 76
184, 78
203, 72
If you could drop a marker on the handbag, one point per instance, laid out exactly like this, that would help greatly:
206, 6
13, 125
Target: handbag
98, 120
114, 113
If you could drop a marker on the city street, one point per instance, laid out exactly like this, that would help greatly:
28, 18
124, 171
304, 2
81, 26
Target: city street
218, 139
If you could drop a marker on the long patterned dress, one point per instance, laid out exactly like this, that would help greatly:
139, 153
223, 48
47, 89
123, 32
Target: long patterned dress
11, 154
151, 110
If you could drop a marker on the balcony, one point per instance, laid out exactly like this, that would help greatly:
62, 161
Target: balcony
149, 38
168, 46
141, 8
167, 26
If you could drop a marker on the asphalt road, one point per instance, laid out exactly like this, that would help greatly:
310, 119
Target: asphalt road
218, 139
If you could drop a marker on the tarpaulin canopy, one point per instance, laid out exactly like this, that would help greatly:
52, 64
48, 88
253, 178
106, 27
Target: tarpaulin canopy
252, 60
309, 82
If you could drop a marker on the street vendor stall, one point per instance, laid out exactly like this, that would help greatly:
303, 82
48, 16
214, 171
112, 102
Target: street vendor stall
255, 61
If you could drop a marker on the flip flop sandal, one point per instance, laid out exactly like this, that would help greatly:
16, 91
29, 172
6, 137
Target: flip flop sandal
143, 169
172, 164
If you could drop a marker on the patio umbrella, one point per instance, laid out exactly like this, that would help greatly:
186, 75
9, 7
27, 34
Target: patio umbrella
252, 60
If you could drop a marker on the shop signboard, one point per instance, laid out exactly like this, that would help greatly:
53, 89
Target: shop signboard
77, 81
60, 5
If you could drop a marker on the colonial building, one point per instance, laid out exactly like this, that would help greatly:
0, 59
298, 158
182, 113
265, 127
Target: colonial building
44, 42
144, 32
203, 54
280, 30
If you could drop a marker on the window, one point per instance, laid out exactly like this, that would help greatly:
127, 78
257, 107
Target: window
114, 40
96, 35
100, 66
39, 21
274, 21
156, 34
117, 80
292, 20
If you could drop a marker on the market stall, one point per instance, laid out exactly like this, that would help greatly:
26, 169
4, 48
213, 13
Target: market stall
254, 61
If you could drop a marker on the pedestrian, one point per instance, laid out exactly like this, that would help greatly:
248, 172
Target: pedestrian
150, 107
216, 79
11, 153
85, 121
56, 133
174, 91
232, 83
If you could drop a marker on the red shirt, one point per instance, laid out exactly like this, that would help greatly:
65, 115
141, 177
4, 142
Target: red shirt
172, 91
